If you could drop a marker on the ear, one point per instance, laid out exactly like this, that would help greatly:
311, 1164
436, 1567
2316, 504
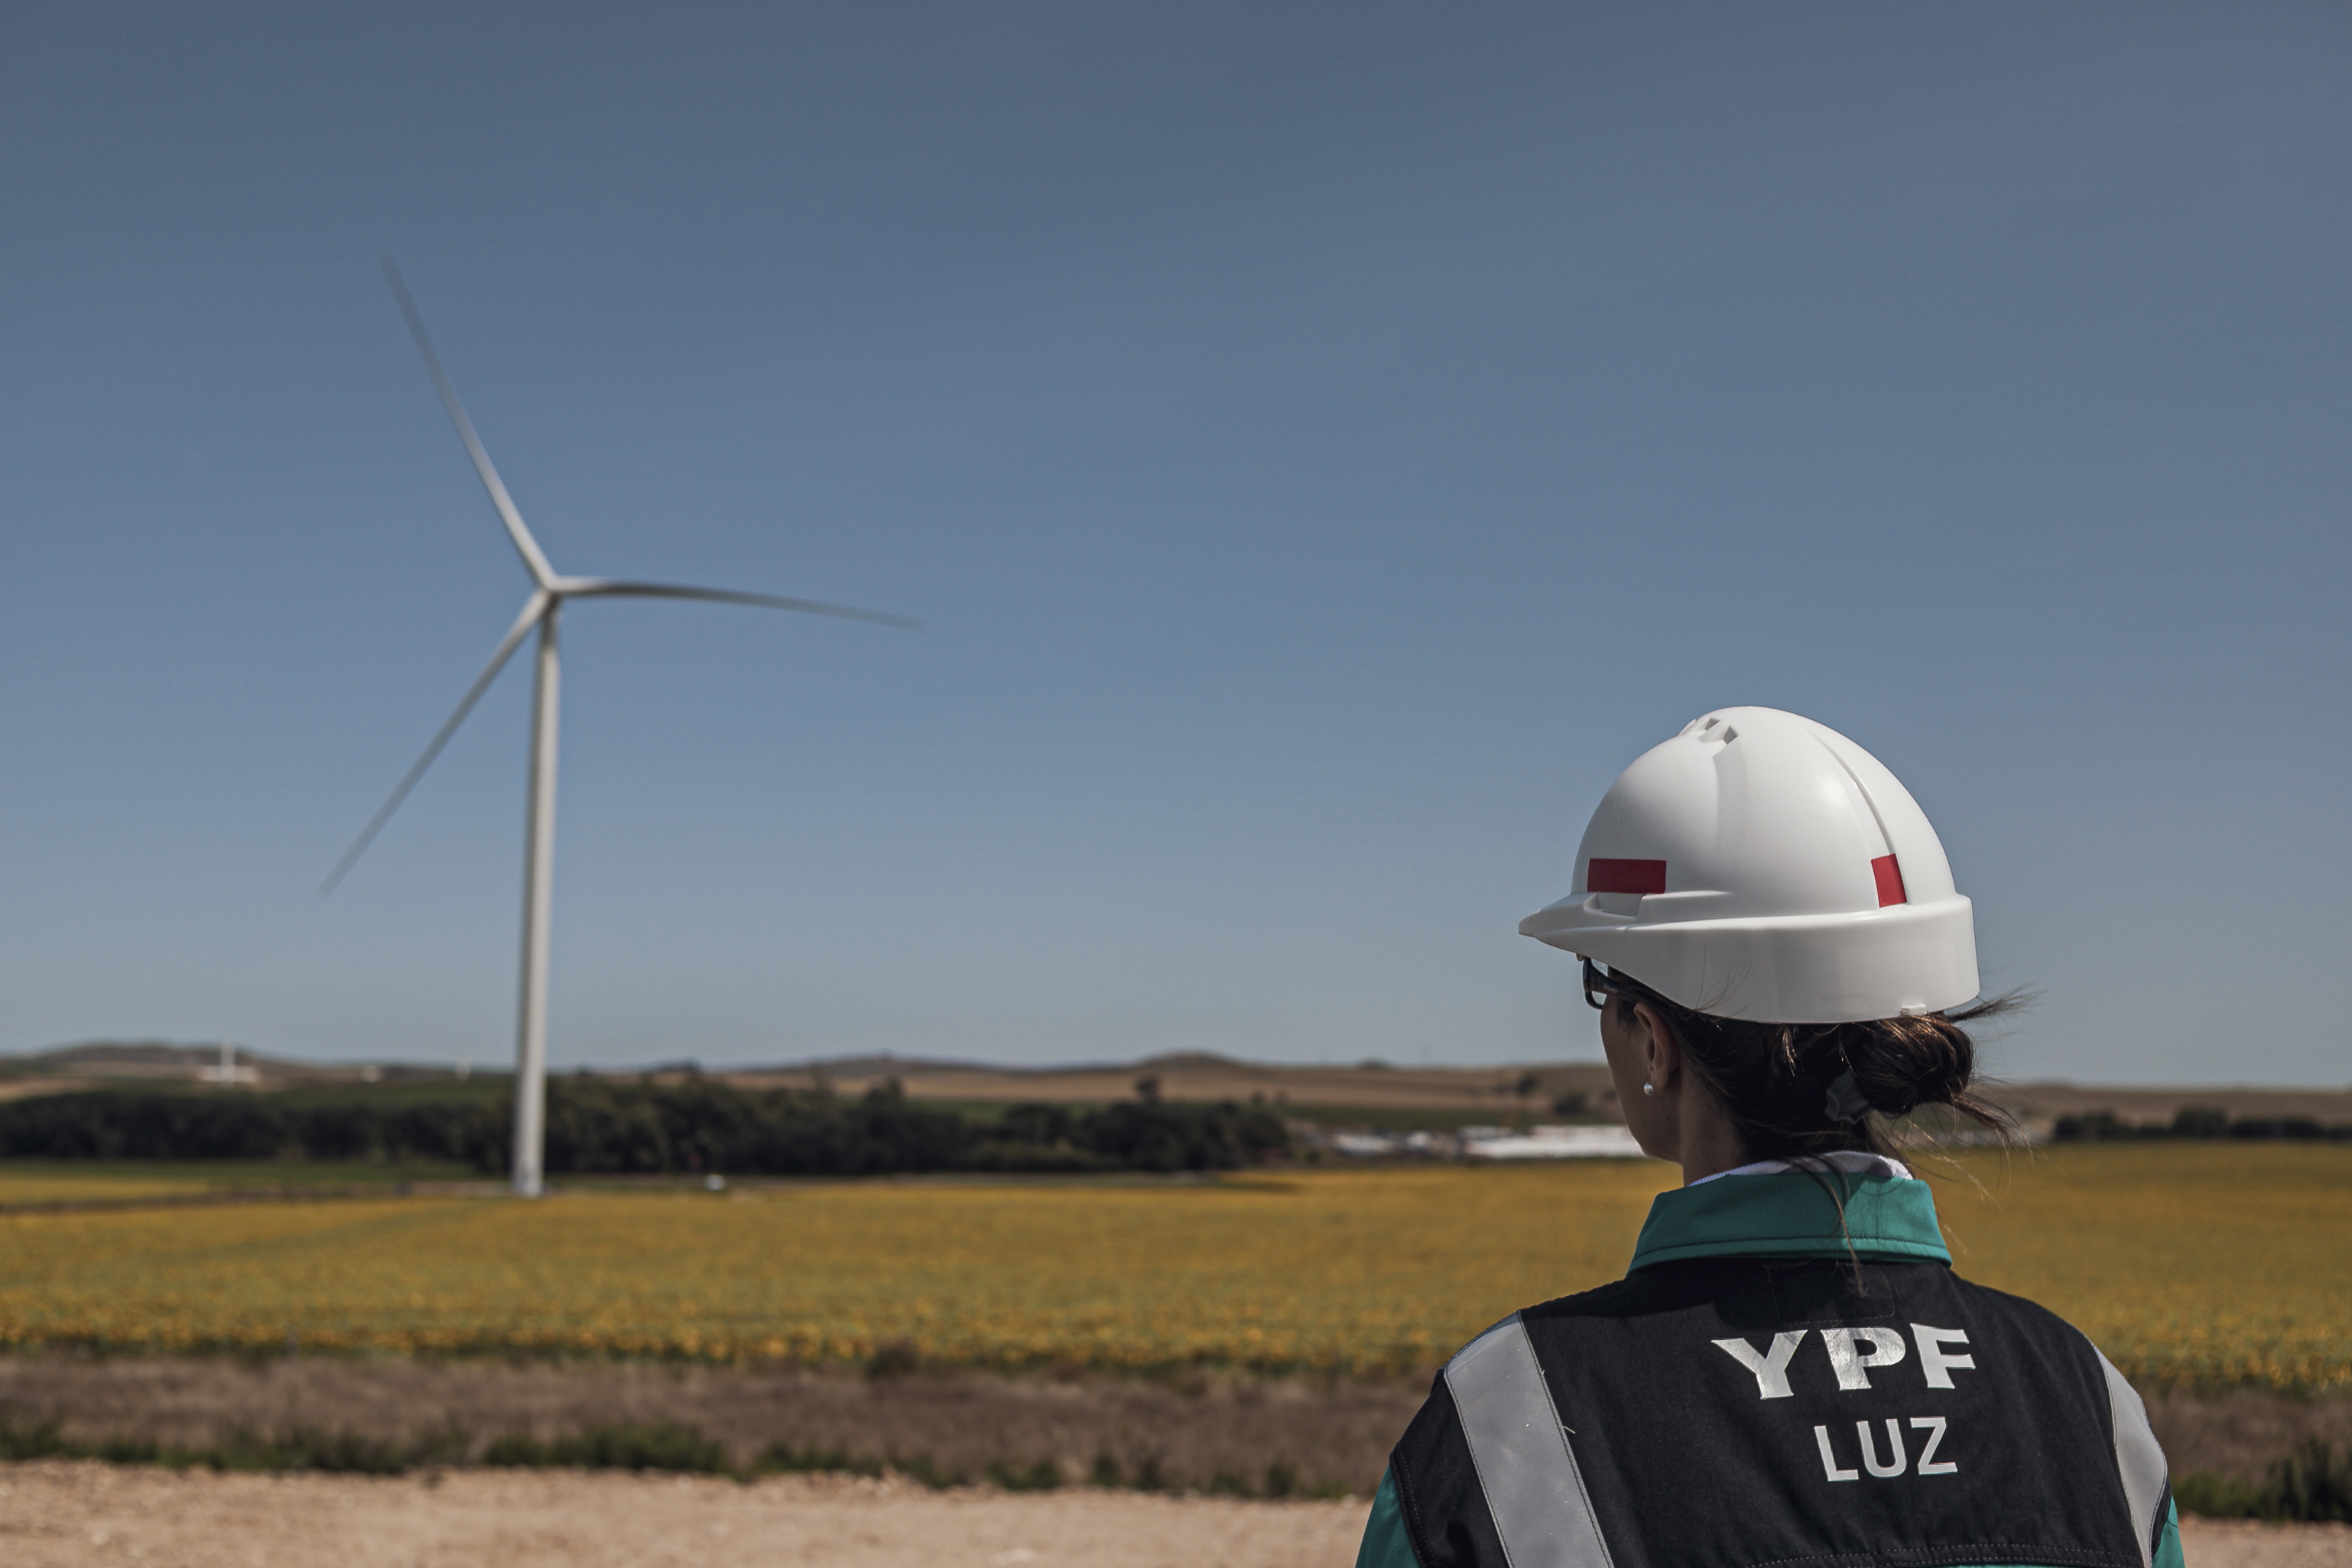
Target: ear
1663, 1053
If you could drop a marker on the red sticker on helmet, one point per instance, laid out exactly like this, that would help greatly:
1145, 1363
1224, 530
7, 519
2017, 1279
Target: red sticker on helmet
1890, 881
1629, 877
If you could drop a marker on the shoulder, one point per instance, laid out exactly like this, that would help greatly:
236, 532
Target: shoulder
1660, 1287
2023, 1310
2025, 1319
1442, 1504
2140, 1466
1497, 1377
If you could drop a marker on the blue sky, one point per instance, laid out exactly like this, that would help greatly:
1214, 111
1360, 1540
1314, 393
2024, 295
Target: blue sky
1326, 442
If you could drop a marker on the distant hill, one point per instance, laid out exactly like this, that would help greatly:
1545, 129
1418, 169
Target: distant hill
90, 1064
1475, 1094
141, 1057
1455, 1094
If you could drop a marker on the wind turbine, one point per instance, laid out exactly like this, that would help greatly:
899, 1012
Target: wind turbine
548, 593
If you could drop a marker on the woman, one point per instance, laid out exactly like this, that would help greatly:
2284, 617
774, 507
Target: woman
1789, 1373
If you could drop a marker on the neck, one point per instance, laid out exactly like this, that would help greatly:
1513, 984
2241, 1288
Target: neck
1709, 1144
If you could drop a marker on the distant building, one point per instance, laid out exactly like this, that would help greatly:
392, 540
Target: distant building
229, 1070
1547, 1143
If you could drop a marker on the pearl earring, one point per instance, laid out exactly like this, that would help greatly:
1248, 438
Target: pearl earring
1649, 1089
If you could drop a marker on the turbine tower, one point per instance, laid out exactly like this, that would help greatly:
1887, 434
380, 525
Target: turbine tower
542, 612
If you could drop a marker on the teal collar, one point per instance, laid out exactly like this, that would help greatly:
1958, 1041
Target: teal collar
1792, 1215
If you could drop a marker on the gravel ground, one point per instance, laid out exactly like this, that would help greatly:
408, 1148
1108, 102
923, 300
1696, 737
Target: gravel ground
2244, 1544
54, 1514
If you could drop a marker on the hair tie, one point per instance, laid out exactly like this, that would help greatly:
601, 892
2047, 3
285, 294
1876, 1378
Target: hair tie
1845, 1103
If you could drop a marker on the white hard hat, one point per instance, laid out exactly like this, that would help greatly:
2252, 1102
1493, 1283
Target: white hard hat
1762, 866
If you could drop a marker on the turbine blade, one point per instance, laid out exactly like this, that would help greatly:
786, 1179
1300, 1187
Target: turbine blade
599, 588
531, 614
534, 561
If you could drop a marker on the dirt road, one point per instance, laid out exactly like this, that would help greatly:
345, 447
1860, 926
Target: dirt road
56, 1514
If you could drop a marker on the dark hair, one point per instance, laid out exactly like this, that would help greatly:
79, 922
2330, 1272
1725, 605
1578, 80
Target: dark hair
1794, 1090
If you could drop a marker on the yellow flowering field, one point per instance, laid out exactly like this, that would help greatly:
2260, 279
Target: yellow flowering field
2188, 1262
2209, 1263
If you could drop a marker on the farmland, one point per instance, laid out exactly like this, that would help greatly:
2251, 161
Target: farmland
2200, 1265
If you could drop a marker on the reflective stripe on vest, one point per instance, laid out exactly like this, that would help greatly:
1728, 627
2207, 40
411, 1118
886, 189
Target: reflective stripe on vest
1523, 1454
2138, 1460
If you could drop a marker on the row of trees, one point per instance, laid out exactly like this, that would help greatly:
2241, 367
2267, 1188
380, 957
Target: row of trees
144, 1124
615, 1126
2194, 1122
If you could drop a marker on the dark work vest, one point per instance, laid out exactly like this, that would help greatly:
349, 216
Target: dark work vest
1796, 1412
